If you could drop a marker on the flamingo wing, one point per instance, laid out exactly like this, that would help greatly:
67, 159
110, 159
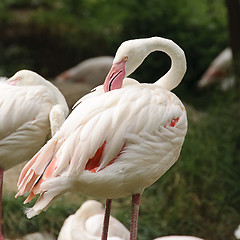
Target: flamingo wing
24, 121
96, 132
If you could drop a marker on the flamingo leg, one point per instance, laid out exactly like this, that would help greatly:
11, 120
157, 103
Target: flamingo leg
134, 217
1, 183
106, 219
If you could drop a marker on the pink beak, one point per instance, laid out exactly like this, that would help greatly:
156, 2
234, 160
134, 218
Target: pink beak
13, 82
115, 76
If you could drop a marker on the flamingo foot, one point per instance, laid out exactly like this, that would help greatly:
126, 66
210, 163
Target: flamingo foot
106, 219
134, 218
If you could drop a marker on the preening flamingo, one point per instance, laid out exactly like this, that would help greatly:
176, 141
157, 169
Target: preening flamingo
118, 140
86, 224
29, 107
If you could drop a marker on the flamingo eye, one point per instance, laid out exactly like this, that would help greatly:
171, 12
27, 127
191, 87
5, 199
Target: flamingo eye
125, 58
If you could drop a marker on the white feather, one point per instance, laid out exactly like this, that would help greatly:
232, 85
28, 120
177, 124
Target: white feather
24, 116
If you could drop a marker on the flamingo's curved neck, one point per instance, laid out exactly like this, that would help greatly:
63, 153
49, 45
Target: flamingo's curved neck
131, 54
178, 61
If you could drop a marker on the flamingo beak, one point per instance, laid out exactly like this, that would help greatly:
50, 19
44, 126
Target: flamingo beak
115, 76
13, 81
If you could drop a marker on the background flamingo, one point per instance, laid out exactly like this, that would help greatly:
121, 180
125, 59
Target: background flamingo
178, 238
91, 71
31, 109
219, 71
86, 224
118, 140
237, 232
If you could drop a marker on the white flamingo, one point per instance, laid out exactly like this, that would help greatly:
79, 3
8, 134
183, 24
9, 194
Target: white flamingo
178, 238
237, 232
219, 71
86, 224
118, 140
91, 71
29, 107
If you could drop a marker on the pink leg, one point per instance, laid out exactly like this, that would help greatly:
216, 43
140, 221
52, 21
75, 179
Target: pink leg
106, 219
1, 182
134, 218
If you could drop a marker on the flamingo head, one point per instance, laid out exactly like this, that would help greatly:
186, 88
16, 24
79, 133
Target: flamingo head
128, 57
116, 75
25, 78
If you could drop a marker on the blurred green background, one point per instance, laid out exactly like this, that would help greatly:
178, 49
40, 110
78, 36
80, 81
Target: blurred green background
50, 36
200, 194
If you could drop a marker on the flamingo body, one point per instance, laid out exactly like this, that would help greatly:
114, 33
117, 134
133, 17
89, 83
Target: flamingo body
29, 107
178, 238
86, 224
120, 121
144, 147
219, 71
91, 71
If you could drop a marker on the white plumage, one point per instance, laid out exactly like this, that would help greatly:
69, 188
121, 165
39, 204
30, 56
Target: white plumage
86, 224
153, 148
31, 109
178, 238
237, 232
219, 71
119, 139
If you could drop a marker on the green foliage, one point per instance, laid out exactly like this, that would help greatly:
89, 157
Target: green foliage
50, 36
15, 223
196, 27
